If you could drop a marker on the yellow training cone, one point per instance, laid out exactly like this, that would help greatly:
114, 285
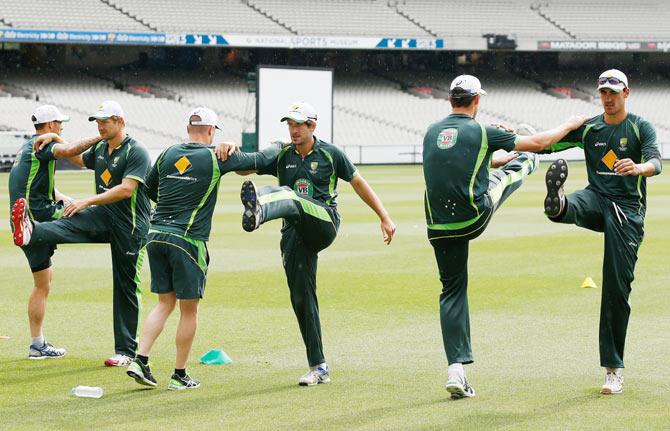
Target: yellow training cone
589, 283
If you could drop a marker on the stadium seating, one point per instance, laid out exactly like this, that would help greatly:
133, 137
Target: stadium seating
466, 18
93, 15
208, 16
375, 118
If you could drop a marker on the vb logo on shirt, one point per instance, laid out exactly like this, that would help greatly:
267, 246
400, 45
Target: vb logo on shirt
447, 138
303, 187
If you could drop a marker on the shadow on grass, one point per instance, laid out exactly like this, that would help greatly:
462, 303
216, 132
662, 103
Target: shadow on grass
28, 373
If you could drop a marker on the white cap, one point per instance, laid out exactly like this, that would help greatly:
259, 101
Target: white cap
300, 112
106, 109
207, 117
46, 113
604, 82
468, 83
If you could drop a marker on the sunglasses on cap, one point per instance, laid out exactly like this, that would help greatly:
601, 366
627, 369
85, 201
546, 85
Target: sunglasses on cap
611, 80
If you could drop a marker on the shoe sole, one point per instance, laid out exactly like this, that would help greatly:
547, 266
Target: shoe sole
18, 215
181, 388
606, 391
39, 358
140, 379
457, 392
314, 384
556, 176
109, 363
249, 198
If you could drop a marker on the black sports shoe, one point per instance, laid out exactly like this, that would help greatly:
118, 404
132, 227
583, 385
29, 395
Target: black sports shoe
556, 176
141, 373
178, 383
251, 217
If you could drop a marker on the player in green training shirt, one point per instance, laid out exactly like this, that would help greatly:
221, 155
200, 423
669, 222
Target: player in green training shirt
184, 183
118, 214
461, 197
621, 151
32, 178
306, 199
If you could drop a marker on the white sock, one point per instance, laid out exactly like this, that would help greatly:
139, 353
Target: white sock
456, 368
38, 341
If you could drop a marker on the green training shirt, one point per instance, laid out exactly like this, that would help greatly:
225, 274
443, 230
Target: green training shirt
128, 160
456, 158
603, 144
184, 183
32, 178
315, 175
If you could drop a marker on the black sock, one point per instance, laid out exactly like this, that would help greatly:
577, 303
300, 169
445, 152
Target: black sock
143, 359
181, 372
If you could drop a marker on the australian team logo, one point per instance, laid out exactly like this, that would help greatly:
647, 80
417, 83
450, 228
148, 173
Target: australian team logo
303, 187
313, 166
447, 138
623, 143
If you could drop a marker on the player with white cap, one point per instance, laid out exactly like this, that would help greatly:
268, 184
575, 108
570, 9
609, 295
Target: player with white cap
460, 199
118, 214
184, 183
620, 152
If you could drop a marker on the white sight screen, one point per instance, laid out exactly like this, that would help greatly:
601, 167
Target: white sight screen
279, 88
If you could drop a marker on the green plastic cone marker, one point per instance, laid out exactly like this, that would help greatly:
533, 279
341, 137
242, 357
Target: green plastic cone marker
215, 357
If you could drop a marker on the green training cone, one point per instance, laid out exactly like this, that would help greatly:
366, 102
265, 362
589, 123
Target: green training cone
215, 357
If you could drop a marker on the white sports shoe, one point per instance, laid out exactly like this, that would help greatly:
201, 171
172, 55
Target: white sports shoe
320, 374
613, 383
458, 387
118, 360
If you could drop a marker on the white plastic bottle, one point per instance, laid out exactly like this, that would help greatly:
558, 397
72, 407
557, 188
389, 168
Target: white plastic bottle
87, 392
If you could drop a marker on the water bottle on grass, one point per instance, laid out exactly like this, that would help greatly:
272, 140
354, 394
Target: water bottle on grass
87, 392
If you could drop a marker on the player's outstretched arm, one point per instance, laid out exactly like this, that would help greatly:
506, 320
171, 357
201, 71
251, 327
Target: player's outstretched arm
544, 140
63, 149
115, 194
369, 196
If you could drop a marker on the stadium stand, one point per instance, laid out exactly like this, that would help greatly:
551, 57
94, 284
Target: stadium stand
465, 18
586, 20
345, 17
69, 14
375, 117
232, 16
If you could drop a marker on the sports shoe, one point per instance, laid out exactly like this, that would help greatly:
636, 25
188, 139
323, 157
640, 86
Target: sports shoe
613, 383
141, 373
458, 387
320, 374
23, 227
251, 218
46, 351
118, 360
178, 383
556, 176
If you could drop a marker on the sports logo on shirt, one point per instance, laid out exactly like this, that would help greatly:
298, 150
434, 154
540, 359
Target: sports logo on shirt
106, 177
609, 158
623, 142
182, 164
314, 165
447, 138
303, 186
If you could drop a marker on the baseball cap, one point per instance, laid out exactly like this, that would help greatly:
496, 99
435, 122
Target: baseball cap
300, 112
613, 79
468, 83
45, 113
207, 117
107, 109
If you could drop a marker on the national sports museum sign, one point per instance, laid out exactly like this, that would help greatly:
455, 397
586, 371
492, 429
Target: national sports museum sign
602, 45
220, 40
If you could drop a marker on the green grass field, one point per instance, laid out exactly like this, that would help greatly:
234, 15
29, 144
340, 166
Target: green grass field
534, 329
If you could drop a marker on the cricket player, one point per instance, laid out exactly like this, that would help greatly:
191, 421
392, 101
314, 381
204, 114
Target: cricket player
621, 151
118, 214
460, 198
32, 179
306, 198
184, 183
